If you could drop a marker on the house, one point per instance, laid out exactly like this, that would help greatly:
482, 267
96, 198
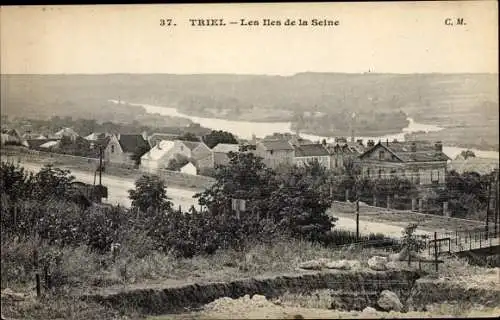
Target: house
308, 153
156, 137
422, 162
342, 151
10, 136
189, 168
220, 153
294, 139
158, 157
121, 147
275, 152
66, 132
191, 149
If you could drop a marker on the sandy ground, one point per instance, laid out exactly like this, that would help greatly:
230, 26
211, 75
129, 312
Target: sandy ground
259, 308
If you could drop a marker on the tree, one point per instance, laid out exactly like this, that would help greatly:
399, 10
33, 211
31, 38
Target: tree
52, 183
189, 136
216, 137
411, 243
245, 177
150, 195
467, 154
15, 182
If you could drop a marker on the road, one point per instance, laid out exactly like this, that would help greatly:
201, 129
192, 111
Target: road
118, 188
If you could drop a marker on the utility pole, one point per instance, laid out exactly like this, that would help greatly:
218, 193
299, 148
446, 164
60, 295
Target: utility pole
100, 165
357, 219
488, 207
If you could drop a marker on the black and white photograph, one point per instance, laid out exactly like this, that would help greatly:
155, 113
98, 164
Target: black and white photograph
250, 161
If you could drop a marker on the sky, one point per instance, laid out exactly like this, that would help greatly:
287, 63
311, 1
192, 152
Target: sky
391, 37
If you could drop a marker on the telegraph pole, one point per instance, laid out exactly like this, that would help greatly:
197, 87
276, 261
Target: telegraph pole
100, 165
357, 219
488, 206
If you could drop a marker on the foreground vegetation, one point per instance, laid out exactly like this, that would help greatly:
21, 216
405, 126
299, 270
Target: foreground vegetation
78, 247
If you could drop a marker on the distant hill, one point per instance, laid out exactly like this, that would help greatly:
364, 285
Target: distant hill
449, 100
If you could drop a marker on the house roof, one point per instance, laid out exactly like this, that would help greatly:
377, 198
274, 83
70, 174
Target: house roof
190, 144
473, 164
131, 142
36, 143
425, 151
311, 150
158, 151
226, 148
96, 136
346, 147
48, 144
66, 131
276, 145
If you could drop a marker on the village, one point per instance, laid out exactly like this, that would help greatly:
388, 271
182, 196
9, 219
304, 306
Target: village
423, 163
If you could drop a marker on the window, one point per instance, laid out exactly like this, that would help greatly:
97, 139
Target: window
368, 172
112, 148
381, 155
336, 162
435, 176
380, 173
271, 151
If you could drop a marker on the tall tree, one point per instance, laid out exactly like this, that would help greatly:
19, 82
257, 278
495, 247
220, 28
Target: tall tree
150, 195
216, 137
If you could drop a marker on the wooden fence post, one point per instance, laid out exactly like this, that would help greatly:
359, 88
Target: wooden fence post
435, 251
37, 273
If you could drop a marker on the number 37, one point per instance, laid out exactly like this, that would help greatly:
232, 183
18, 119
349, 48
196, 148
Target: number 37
165, 22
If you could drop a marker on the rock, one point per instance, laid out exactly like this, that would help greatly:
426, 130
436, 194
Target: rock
312, 265
389, 301
354, 264
341, 265
369, 310
11, 295
377, 263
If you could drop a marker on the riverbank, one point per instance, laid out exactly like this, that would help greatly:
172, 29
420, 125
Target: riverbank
246, 129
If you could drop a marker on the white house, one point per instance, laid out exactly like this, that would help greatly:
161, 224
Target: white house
159, 156
189, 168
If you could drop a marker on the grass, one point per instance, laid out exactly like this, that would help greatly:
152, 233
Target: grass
138, 266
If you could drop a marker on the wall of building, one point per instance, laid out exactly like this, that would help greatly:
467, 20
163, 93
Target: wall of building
274, 158
323, 160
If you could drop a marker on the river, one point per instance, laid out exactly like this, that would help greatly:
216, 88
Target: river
245, 129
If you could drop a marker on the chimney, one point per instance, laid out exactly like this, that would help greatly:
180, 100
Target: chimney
387, 142
413, 147
145, 135
360, 142
158, 144
438, 146
118, 136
